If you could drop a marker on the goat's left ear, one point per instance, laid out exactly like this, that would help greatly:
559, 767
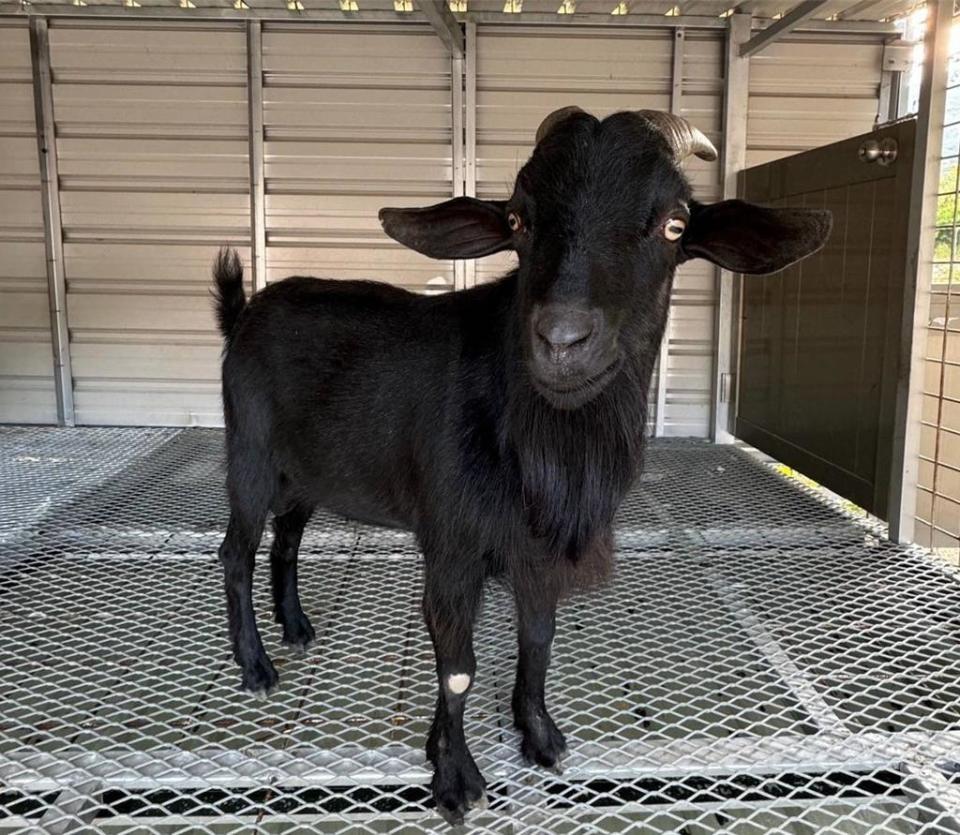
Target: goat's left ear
460, 228
746, 238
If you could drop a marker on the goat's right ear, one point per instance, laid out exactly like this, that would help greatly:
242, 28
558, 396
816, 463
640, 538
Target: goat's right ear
460, 228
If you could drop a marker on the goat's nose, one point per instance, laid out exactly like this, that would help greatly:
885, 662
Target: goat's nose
565, 329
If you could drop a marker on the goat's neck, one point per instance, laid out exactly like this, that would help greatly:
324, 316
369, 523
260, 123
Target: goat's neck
576, 465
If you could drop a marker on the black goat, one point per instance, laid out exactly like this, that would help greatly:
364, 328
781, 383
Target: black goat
502, 424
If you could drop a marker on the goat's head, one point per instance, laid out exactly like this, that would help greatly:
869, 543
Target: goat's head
599, 217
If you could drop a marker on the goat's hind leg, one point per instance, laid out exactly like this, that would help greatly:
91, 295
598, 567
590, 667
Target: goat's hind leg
237, 554
288, 528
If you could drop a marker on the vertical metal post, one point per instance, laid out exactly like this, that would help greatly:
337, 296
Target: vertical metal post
470, 130
676, 76
897, 85
456, 149
902, 96
663, 362
885, 98
921, 222
52, 227
735, 100
258, 210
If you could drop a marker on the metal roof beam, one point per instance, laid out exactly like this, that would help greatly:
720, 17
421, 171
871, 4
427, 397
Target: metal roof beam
856, 11
440, 17
658, 21
790, 21
150, 12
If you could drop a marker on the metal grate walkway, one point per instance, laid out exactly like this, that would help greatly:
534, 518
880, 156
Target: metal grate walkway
760, 664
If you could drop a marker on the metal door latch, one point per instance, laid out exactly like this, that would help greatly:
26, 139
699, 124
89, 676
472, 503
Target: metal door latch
883, 150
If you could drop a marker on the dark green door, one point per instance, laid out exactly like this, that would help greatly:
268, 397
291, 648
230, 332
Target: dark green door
820, 341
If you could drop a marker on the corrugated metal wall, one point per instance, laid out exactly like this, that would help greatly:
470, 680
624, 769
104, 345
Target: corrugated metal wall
809, 90
152, 121
151, 124
26, 364
356, 117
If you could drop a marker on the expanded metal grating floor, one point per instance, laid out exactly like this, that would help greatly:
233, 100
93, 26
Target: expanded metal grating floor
760, 664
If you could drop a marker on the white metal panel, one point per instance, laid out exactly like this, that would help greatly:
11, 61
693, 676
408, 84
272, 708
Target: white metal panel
152, 141
152, 138
524, 72
26, 358
811, 90
356, 118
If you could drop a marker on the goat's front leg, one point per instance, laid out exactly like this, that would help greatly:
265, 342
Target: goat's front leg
542, 742
450, 605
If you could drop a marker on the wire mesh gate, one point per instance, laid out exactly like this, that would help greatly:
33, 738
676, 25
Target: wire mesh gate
761, 663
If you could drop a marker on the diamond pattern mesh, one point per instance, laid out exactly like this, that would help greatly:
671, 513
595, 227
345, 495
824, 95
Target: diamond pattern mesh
761, 663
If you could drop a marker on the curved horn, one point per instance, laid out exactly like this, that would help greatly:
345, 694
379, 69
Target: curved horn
554, 119
683, 137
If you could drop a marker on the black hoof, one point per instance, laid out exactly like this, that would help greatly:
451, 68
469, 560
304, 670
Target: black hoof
458, 787
260, 677
298, 633
542, 743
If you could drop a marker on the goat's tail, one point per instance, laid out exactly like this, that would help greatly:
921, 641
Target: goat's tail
228, 292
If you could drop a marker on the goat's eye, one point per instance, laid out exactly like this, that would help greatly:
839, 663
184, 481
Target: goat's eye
673, 228
515, 222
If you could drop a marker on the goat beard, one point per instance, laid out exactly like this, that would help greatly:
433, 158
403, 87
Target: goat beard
577, 465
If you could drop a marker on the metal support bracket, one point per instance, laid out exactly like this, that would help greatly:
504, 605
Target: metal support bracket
775, 31
440, 17
52, 227
258, 211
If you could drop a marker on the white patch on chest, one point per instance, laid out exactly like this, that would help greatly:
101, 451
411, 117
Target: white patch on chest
458, 683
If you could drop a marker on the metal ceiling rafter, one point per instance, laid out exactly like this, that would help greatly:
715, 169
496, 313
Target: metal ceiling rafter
440, 17
656, 21
660, 21
799, 14
857, 9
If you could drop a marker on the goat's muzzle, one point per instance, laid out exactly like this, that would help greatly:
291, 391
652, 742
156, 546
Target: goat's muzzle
572, 354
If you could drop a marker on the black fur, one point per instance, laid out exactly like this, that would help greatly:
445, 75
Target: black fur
505, 438
228, 290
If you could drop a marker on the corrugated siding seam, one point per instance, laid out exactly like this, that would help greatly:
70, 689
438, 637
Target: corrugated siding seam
356, 118
807, 91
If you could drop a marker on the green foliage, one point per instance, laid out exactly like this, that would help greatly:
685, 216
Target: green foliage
945, 246
946, 204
